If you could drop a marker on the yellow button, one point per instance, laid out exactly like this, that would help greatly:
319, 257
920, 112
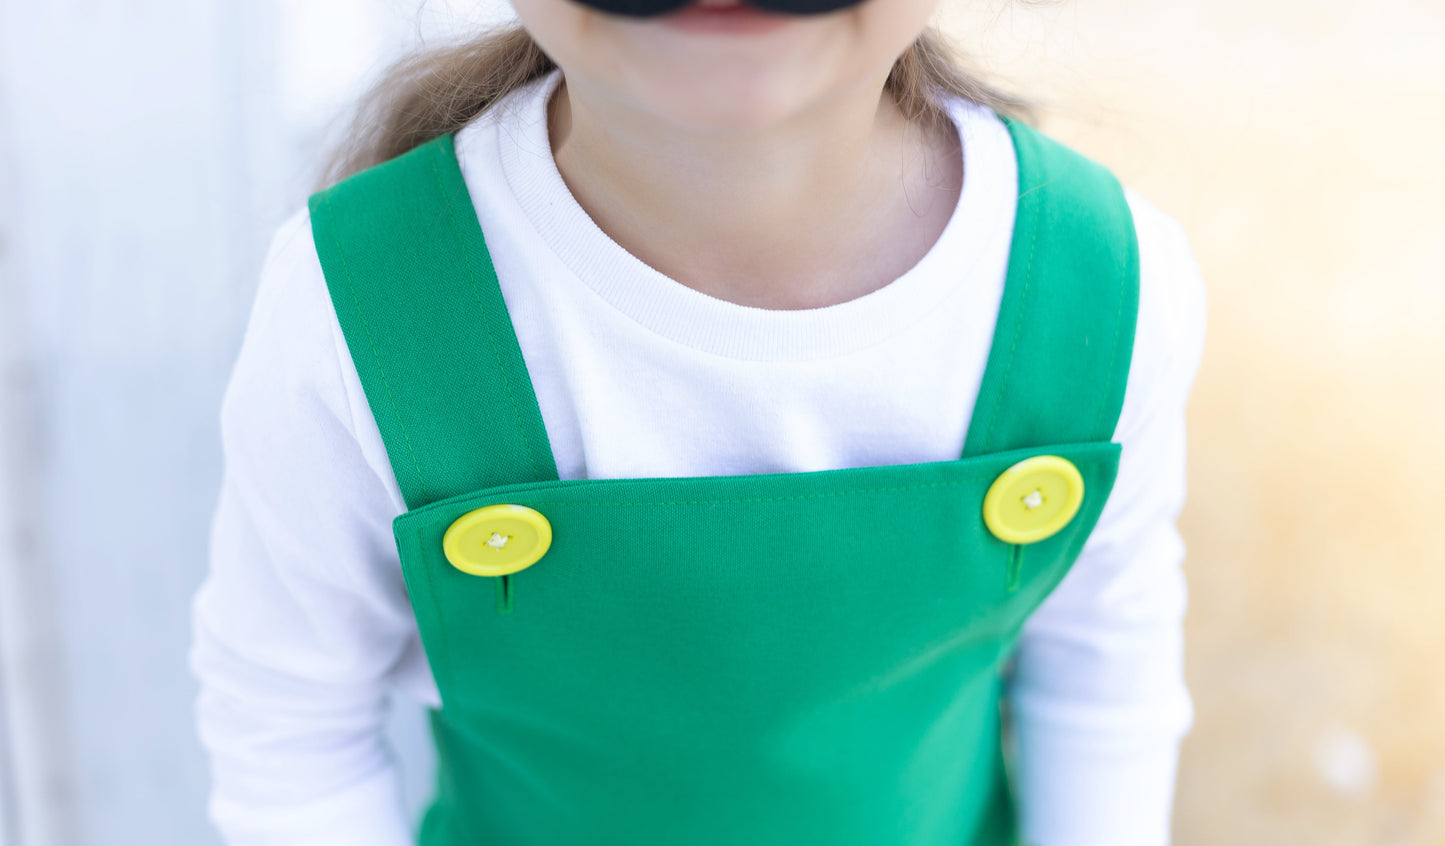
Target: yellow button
1033, 499
497, 540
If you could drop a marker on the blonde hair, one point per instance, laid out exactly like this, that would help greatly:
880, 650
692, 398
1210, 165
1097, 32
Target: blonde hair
439, 90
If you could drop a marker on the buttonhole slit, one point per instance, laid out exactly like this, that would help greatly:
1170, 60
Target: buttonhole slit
504, 594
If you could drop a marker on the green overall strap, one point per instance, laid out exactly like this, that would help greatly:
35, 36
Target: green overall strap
1065, 332
413, 287
417, 298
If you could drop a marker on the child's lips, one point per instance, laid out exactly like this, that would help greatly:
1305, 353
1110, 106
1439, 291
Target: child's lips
719, 6
724, 16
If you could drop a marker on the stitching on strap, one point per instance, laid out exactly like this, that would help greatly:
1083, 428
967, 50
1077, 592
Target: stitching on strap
1018, 330
481, 308
1113, 357
376, 355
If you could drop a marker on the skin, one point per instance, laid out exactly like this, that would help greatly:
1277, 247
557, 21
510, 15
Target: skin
767, 169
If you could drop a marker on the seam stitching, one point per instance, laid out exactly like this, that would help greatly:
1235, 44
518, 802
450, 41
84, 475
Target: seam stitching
481, 308
649, 502
1113, 355
376, 354
419, 543
1018, 330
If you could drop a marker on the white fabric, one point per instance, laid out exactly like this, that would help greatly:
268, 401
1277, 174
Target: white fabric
303, 625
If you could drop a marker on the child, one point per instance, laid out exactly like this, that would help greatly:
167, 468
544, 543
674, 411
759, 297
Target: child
715, 428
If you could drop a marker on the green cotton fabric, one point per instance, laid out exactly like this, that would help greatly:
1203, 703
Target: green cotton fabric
757, 659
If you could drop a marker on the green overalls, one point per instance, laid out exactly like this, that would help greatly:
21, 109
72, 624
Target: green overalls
792, 658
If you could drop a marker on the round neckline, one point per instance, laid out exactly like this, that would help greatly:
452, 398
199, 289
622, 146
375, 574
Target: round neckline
705, 323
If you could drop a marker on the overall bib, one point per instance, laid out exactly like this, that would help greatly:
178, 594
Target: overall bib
790, 658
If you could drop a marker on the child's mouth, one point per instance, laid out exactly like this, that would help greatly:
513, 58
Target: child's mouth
724, 16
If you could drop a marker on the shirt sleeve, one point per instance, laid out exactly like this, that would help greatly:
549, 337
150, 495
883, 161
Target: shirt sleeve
1097, 695
303, 617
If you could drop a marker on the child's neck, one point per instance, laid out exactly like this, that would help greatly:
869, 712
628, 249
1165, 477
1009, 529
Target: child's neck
824, 209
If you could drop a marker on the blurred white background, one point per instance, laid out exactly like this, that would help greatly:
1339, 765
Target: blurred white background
149, 149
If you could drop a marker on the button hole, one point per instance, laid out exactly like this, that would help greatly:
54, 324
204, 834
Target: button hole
1015, 567
504, 594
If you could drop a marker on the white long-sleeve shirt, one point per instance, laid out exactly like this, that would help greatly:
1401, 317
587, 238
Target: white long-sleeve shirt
303, 625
